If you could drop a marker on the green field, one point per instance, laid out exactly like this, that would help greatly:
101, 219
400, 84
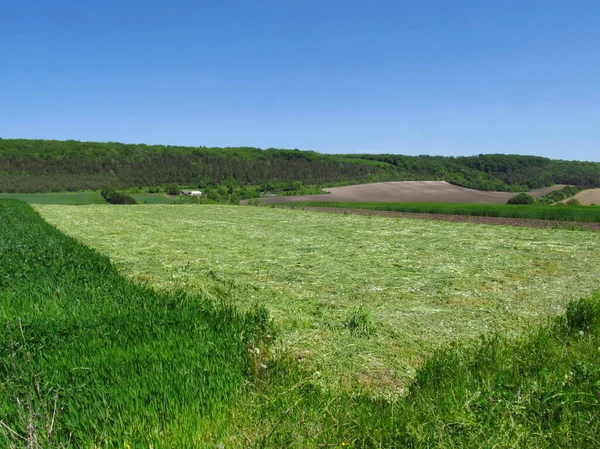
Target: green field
90, 359
561, 213
81, 198
152, 198
68, 198
361, 299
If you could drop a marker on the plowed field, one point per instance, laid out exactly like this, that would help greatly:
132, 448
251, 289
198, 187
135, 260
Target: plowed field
588, 197
404, 191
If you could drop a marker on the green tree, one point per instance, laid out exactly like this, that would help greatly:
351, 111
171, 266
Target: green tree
522, 198
173, 189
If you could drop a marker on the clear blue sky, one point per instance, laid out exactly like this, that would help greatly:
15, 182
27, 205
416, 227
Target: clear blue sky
451, 77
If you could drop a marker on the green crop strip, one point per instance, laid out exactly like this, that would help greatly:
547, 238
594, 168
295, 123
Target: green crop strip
589, 214
89, 359
71, 198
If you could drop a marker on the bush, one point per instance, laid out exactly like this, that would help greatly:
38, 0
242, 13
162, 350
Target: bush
114, 197
573, 202
522, 198
173, 189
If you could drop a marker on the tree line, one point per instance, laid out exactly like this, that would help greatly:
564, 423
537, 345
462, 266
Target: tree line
50, 165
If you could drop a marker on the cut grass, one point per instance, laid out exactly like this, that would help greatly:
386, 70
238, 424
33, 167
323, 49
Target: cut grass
559, 213
68, 198
417, 285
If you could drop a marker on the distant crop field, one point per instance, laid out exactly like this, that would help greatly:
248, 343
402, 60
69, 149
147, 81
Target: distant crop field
558, 213
68, 198
361, 299
587, 197
408, 191
81, 198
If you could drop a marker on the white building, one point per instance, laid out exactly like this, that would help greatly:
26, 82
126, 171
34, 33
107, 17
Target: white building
195, 193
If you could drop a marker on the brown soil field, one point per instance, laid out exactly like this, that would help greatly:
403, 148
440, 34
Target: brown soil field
407, 191
528, 223
541, 192
588, 197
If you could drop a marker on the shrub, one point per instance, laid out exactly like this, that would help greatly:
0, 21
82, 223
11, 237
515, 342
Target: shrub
522, 198
559, 195
573, 202
114, 197
173, 189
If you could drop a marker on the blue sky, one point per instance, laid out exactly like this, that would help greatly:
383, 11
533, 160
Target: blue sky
451, 77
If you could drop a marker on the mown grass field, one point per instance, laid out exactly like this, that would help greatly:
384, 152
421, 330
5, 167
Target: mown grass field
361, 299
560, 213
90, 359
69, 198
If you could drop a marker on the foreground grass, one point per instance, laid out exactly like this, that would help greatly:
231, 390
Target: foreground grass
559, 213
360, 299
69, 198
539, 391
89, 359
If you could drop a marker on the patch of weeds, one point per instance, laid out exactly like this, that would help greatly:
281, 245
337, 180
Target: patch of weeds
581, 316
360, 323
254, 202
259, 334
566, 226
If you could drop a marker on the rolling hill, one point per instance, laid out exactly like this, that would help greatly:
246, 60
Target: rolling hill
51, 165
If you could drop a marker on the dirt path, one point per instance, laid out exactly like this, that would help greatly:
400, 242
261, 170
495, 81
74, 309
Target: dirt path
521, 222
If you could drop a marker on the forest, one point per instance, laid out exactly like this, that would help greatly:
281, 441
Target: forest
50, 165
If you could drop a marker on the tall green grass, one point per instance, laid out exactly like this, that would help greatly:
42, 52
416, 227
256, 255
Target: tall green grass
559, 213
542, 391
89, 359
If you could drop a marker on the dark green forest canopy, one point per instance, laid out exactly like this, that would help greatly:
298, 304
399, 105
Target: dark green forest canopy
51, 165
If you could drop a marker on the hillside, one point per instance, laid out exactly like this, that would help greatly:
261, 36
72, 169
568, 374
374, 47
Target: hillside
527, 172
50, 165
